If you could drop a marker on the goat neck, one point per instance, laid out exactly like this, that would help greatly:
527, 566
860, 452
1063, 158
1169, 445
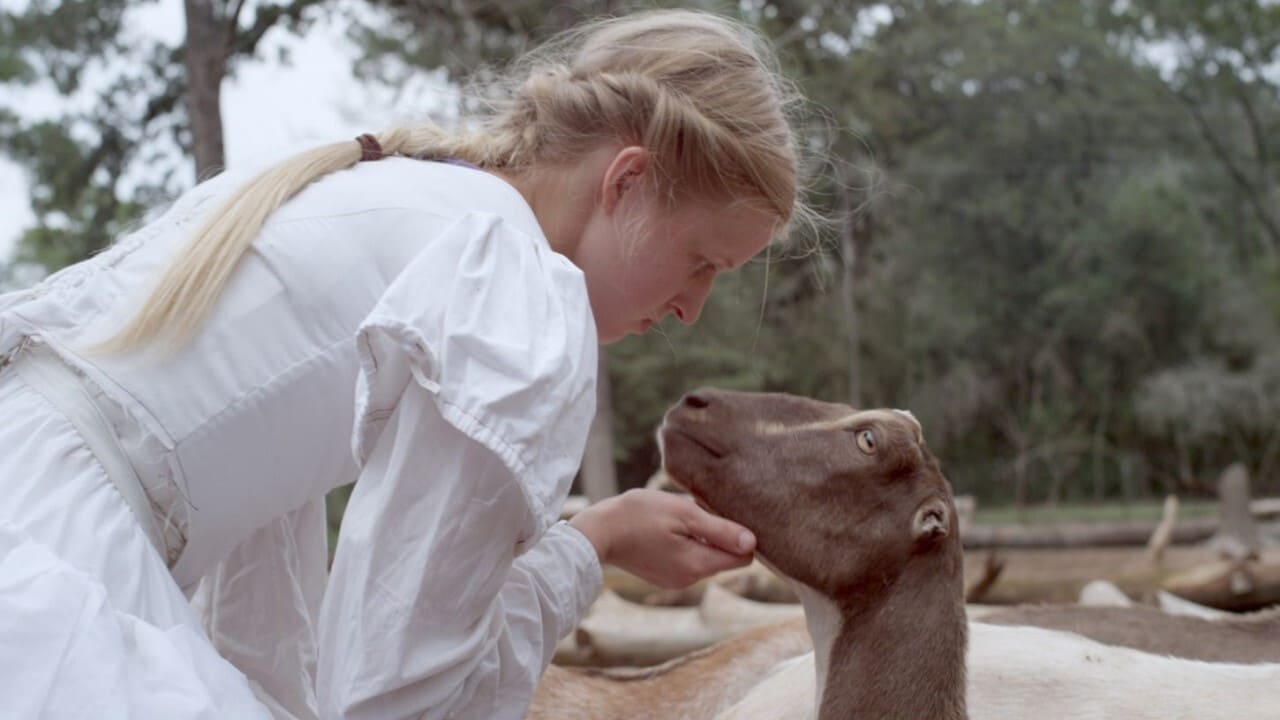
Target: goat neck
900, 654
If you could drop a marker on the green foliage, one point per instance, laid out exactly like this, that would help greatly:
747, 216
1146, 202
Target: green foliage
75, 161
465, 38
1046, 220
1225, 80
13, 67
78, 215
79, 163
58, 37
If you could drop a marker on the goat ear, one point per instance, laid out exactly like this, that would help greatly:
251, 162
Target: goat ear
932, 521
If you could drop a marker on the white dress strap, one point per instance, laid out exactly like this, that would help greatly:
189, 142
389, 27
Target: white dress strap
41, 368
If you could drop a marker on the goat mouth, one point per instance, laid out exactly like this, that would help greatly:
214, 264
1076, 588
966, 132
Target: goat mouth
667, 429
682, 480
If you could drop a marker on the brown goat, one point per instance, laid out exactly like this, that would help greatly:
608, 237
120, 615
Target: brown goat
853, 508
675, 689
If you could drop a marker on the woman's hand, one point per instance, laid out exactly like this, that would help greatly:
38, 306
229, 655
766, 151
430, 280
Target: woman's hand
663, 538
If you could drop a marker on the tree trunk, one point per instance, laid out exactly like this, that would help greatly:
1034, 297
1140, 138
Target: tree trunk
205, 58
599, 479
848, 281
1237, 536
1097, 451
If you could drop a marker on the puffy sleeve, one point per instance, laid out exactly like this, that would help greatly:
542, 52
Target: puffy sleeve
497, 328
473, 403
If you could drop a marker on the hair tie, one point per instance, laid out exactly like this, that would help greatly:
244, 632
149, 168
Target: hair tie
369, 144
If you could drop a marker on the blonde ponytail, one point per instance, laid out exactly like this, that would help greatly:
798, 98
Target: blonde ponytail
195, 278
197, 275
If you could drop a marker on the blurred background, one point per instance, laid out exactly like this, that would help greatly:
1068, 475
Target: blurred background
1053, 227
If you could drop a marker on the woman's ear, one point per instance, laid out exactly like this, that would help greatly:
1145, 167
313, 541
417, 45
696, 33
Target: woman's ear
622, 175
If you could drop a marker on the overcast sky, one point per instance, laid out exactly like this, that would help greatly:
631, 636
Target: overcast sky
268, 111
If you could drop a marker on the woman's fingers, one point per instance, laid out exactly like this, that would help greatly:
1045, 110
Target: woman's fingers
665, 539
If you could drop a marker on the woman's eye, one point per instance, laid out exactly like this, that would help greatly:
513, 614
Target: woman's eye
867, 442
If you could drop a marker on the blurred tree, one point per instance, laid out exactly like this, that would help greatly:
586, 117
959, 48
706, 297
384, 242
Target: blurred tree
1000, 154
1219, 60
128, 100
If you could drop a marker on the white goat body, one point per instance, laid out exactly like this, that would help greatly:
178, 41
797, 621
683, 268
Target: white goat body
1022, 672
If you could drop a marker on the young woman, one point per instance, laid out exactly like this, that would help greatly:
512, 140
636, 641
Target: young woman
416, 311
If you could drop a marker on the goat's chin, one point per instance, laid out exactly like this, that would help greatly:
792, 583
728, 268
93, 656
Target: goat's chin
688, 488
697, 500
680, 482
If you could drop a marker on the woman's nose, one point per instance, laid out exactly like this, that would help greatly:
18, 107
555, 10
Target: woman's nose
689, 307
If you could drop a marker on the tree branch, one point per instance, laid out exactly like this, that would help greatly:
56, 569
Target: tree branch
1259, 137
232, 21
1233, 170
166, 101
246, 41
233, 18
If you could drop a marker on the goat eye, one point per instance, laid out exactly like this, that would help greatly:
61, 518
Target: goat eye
867, 442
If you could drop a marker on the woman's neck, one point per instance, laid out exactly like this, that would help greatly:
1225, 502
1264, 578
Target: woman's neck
561, 198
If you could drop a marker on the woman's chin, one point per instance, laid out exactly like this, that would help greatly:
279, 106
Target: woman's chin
615, 332
608, 336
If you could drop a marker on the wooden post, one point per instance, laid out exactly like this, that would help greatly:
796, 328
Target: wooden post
1237, 536
1163, 534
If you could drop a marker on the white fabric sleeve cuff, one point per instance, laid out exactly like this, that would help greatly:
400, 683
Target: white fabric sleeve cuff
587, 579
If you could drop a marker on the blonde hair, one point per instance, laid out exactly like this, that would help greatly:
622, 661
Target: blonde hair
700, 92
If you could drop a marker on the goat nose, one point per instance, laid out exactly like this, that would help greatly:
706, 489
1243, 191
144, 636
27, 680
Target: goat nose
695, 401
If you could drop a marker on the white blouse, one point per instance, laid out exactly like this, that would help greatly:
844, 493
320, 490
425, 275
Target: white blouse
402, 322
